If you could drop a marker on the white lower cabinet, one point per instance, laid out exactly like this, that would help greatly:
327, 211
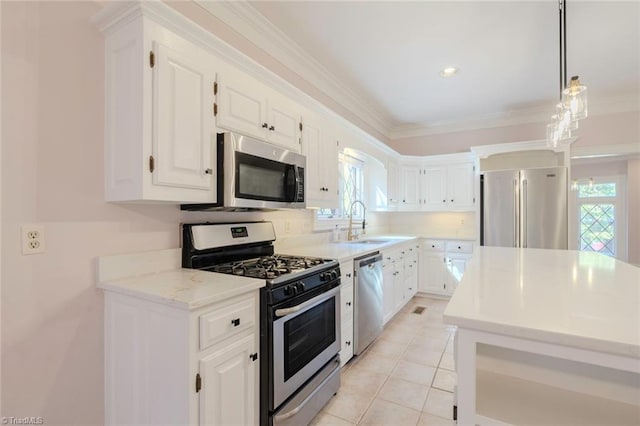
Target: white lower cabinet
400, 277
168, 365
228, 394
346, 311
442, 265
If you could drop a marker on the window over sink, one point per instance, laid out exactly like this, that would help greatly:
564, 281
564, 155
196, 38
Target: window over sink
350, 188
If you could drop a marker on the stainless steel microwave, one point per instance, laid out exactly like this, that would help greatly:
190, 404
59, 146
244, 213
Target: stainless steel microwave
255, 175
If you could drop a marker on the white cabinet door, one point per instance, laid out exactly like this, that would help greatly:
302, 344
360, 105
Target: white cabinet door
229, 391
241, 104
283, 119
410, 279
321, 175
456, 265
433, 273
460, 187
388, 288
434, 188
184, 128
410, 188
393, 186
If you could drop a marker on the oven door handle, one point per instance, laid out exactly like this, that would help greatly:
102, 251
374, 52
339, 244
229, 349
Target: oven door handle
309, 303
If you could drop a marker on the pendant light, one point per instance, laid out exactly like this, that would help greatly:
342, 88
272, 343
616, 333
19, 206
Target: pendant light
573, 97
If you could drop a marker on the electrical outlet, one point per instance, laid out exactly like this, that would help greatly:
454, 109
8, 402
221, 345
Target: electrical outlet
461, 221
32, 239
287, 226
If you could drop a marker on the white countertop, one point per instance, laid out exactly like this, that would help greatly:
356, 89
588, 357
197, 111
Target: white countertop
579, 299
183, 288
346, 250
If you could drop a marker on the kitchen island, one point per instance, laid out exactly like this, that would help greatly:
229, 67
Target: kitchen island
547, 337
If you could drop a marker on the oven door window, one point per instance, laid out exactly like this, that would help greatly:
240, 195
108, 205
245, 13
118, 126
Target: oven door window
307, 335
259, 178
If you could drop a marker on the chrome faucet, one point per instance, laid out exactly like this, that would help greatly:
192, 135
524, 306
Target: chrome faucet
351, 236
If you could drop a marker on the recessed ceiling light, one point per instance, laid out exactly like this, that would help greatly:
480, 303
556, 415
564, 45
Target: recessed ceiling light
448, 72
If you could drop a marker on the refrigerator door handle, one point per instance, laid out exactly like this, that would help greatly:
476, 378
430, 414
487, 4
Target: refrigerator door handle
524, 213
515, 211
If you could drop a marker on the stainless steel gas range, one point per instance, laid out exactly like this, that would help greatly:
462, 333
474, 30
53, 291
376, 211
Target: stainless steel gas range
299, 311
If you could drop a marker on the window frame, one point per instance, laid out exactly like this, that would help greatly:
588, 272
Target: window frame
620, 205
342, 218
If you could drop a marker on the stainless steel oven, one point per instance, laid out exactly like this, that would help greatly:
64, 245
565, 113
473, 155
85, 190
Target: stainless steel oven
306, 336
254, 174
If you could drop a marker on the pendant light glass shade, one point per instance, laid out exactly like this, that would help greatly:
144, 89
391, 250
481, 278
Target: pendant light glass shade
574, 98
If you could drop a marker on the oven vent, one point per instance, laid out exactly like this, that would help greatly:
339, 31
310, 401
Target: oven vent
419, 310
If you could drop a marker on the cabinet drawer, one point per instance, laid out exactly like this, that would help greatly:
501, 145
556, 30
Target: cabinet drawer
346, 299
346, 273
433, 245
226, 321
459, 247
346, 335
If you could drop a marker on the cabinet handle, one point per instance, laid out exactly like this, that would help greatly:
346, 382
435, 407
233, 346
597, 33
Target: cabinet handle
208, 171
272, 128
348, 303
253, 357
265, 125
348, 275
235, 322
348, 342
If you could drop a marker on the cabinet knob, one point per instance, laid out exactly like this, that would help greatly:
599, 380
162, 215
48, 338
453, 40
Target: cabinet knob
459, 248
272, 128
444, 201
235, 322
348, 303
404, 201
348, 342
253, 357
452, 200
265, 125
208, 171
348, 275
433, 246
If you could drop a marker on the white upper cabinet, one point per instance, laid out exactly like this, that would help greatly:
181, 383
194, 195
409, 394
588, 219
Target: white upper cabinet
442, 186
460, 186
434, 187
160, 127
320, 146
249, 107
393, 185
182, 119
410, 188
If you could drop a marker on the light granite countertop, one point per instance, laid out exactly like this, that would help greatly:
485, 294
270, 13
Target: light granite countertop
579, 299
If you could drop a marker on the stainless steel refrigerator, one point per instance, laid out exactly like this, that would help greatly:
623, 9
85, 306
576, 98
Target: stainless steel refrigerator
524, 208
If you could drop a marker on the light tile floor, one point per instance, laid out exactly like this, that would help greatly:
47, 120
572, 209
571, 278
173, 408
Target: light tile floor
406, 377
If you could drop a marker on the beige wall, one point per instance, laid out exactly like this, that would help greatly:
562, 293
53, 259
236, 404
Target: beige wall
622, 128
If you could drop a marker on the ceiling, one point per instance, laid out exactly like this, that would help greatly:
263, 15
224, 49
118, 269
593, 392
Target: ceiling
389, 55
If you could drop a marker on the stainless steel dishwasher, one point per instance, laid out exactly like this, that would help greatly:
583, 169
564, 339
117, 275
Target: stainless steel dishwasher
368, 315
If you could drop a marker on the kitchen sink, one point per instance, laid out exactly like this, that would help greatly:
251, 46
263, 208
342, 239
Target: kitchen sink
371, 241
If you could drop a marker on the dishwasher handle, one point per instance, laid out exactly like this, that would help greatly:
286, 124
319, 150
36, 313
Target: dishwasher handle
369, 261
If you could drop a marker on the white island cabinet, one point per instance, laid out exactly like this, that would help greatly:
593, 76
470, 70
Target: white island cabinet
182, 347
547, 337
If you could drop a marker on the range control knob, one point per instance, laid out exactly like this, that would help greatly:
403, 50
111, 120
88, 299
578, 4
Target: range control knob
291, 290
299, 286
334, 275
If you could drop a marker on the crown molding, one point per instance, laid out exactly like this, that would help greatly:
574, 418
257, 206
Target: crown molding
251, 24
605, 106
601, 151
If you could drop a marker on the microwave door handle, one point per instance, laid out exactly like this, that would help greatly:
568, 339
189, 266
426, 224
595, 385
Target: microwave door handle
291, 187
